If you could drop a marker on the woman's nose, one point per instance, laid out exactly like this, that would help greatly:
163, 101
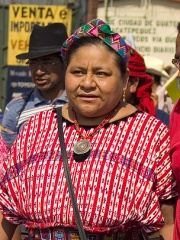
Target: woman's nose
88, 81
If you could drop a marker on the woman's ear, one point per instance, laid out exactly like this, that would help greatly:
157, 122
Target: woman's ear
133, 84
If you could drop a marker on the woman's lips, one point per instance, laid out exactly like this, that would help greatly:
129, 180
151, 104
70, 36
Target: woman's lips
88, 97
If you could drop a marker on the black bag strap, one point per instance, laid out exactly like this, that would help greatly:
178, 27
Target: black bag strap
26, 99
68, 175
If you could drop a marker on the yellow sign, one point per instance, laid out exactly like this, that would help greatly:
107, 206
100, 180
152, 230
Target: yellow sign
22, 18
173, 89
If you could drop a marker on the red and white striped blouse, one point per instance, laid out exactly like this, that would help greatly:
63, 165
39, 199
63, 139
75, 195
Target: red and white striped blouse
118, 186
3, 154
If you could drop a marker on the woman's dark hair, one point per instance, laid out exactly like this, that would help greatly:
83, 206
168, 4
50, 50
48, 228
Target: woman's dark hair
95, 41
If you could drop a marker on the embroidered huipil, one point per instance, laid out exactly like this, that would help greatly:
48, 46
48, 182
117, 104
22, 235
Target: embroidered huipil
118, 186
3, 154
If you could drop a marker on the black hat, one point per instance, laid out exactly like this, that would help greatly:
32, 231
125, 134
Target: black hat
45, 40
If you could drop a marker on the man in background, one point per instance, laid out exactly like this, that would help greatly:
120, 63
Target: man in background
47, 72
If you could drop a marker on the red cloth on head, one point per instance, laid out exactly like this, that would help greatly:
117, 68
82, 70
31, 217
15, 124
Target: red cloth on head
137, 68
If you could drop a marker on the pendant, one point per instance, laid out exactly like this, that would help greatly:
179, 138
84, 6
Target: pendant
81, 150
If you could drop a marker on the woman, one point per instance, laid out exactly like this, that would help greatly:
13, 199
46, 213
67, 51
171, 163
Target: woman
118, 156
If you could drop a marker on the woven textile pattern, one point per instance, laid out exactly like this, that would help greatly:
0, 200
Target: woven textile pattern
98, 28
117, 186
3, 154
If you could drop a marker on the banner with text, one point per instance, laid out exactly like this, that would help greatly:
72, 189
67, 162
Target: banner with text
150, 36
149, 27
21, 21
18, 81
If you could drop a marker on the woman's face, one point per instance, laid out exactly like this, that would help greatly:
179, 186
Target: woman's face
94, 83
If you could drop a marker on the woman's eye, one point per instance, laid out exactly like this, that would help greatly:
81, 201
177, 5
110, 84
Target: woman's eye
101, 73
78, 72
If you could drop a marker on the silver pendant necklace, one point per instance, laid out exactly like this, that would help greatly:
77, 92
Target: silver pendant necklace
82, 148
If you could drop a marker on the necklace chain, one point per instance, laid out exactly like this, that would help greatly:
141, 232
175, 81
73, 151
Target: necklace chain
98, 128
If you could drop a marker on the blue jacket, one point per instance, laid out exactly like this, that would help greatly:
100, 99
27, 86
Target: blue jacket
20, 109
163, 116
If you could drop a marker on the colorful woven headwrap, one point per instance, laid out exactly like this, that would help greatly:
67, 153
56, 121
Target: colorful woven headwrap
137, 68
98, 28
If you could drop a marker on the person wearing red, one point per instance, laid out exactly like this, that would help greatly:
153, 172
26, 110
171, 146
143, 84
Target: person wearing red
117, 155
139, 87
174, 137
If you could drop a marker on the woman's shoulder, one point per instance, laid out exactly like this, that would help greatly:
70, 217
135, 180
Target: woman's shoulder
154, 119
124, 111
143, 120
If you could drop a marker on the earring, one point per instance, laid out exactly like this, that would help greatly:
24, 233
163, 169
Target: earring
124, 95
